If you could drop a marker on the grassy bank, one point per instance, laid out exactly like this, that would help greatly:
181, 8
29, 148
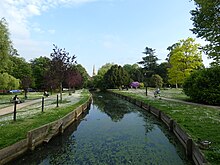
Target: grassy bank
11, 132
198, 121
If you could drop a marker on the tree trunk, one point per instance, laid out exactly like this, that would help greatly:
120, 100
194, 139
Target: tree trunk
25, 93
70, 92
61, 88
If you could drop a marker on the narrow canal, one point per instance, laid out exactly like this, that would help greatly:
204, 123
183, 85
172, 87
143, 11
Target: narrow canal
112, 132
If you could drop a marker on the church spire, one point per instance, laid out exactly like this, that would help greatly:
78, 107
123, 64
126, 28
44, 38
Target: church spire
93, 72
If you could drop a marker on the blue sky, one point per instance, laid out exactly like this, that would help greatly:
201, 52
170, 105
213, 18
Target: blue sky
97, 31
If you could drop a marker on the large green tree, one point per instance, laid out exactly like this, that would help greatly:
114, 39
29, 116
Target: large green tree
162, 71
184, 57
8, 82
116, 77
5, 46
84, 74
206, 22
156, 81
204, 86
22, 70
98, 80
149, 62
40, 67
135, 72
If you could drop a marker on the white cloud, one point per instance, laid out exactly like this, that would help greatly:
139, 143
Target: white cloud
33, 10
17, 12
51, 31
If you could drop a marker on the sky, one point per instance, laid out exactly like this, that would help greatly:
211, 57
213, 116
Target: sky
98, 31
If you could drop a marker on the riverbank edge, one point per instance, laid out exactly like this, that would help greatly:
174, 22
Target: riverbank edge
42, 134
191, 149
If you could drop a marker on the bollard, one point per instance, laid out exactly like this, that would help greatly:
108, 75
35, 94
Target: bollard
57, 100
42, 104
146, 91
15, 106
189, 148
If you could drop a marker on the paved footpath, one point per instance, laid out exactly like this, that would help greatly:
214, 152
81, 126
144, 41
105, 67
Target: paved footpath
151, 93
191, 103
10, 109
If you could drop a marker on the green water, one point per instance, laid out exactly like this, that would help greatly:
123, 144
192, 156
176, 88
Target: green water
113, 132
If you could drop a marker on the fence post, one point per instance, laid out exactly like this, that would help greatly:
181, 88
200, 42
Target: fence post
171, 125
189, 148
57, 100
42, 104
15, 106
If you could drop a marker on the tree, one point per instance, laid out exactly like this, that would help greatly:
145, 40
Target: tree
39, 68
204, 85
115, 77
149, 62
162, 71
73, 78
22, 70
184, 57
5, 46
8, 82
84, 74
156, 81
61, 61
98, 80
207, 25
134, 72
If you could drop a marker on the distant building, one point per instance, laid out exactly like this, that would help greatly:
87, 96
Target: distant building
93, 71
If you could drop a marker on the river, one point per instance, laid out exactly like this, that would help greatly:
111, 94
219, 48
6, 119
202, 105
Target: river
112, 132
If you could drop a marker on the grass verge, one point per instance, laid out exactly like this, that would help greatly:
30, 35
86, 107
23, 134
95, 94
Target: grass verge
12, 132
198, 121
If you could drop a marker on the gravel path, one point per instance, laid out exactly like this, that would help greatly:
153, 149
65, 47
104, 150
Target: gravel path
151, 93
10, 109
49, 102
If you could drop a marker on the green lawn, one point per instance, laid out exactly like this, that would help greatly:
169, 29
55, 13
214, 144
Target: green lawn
172, 93
198, 121
11, 132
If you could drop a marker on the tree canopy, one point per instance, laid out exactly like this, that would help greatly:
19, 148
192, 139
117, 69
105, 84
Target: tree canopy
115, 77
149, 62
84, 74
98, 80
184, 57
22, 70
60, 62
206, 24
40, 66
5, 46
135, 72
204, 86
8, 82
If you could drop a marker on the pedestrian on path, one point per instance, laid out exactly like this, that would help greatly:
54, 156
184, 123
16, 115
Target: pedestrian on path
16, 99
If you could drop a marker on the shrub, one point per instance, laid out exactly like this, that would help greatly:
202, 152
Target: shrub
204, 86
141, 85
135, 84
156, 81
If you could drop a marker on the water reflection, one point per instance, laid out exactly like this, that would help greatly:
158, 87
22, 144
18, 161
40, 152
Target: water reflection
114, 132
114, 107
